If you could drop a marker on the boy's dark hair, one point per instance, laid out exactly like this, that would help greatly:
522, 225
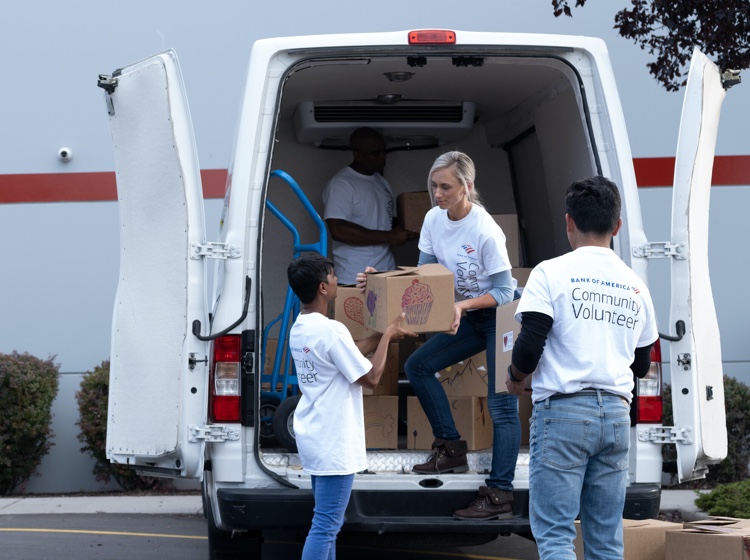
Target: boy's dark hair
306, 272
594, 204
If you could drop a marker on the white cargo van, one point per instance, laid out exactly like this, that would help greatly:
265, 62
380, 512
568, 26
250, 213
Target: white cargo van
188, 393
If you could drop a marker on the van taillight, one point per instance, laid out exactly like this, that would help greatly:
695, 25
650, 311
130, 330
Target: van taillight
224, 403
432, 37
649, 404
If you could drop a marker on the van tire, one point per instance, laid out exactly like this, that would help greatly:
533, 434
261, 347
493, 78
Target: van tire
267, 434
282, 423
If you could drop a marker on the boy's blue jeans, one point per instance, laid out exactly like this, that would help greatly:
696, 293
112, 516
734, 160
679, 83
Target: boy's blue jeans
475, 333
331, 495
579, 463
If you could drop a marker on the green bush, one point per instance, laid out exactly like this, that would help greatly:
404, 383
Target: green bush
729, 500
28, 386
93, 400
737, 404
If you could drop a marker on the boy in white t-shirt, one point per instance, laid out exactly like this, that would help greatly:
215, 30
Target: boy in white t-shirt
587, 327
329, 421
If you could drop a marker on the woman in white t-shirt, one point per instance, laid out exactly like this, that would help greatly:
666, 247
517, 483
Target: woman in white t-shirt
459, 234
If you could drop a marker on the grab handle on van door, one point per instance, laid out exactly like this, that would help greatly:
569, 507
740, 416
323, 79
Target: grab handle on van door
245, 306
680, 327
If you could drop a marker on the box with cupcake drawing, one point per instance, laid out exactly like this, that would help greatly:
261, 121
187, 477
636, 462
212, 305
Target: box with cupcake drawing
424, 293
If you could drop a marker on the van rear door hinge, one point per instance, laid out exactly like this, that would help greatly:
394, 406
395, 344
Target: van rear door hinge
213, 434
660, 250
667, 434
213, 250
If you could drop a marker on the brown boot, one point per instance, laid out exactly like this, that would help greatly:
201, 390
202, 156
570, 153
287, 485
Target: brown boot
492, 503
447, 457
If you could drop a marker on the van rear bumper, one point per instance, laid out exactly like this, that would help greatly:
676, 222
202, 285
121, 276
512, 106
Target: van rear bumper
395, 512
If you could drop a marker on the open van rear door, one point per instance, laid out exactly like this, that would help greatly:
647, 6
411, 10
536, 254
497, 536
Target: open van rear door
700, 431
158, 369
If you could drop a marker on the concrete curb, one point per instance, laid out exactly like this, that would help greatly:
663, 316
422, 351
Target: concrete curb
174, 505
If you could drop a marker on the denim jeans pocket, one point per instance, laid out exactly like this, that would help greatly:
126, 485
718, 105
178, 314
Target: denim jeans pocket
564, 444
618, 454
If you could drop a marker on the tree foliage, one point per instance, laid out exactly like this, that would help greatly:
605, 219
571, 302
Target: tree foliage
28, 387
671, 29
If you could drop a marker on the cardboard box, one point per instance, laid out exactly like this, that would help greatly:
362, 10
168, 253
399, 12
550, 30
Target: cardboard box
389, 381
381, 422
349, 309
720, 538
509, 224
470, 414
425, 294
644, 539
467, 378
411, 208
507, 330
521, 275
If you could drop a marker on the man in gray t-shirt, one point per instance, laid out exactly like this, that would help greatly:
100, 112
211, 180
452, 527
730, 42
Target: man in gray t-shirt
358, 209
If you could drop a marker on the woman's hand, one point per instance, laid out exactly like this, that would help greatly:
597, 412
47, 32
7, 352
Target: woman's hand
457, 312
395, 331
362, 278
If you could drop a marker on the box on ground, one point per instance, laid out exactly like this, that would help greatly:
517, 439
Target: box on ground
644, 539
470, 414
509, 224
425, 294
381, 421
720, 538
506, 332
467, 378
411, 208
349, 309
389, 380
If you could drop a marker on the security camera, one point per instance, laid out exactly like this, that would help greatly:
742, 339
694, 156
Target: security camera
65, 154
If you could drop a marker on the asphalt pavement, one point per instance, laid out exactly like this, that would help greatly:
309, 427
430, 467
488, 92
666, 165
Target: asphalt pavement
682, 501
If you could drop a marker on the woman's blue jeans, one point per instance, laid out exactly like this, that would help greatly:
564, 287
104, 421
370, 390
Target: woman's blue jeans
331, 495
475, 333
579, 464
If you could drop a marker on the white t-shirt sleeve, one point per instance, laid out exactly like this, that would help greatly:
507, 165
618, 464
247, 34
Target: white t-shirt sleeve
536, 296
650, 332
425, 236
345, 355
495, 253
338, 200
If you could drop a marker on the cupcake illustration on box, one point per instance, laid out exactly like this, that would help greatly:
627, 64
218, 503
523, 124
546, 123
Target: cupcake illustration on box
417, 302
372, 300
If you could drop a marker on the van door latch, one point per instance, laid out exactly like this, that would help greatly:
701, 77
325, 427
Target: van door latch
213, 250
194, 361
213, 434
661, 250
667, 434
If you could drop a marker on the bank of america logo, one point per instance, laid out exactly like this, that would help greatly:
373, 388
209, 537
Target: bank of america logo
636, 290
468, 248
306, 349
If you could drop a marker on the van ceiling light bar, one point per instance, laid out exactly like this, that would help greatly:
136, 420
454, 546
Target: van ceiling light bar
432, 37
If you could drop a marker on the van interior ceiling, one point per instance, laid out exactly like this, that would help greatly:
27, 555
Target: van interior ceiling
503, 109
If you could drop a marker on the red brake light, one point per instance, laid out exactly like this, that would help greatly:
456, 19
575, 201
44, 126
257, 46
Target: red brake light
432, 37
224, 383
649, 404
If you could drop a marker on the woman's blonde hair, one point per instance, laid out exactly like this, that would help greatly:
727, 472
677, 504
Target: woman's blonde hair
464, 171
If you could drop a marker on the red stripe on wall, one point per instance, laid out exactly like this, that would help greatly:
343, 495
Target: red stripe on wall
84, 187
98, 186
659, 172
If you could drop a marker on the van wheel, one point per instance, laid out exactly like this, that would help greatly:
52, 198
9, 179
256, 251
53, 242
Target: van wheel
283, 423
266, 412
223, 546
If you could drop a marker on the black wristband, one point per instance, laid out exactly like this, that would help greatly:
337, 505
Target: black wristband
513, 377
